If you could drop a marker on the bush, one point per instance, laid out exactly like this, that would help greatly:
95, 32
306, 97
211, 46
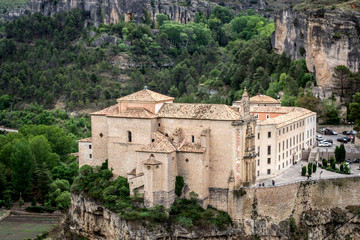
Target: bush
309, 169
292, 225
303, 171
342, 167
325, 162
314, 168
333, 165
36, 209
179, 184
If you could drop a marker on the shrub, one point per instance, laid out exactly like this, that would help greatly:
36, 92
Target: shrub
179, 184
314, 168
325, 162
342, 167
292, 225
346, 169
333, 165
309, 169
303, 171
36, 209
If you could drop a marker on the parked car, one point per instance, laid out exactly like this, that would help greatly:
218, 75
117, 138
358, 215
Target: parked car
330, 132
343, 139
328, 140
348, 139
356, 160
324, 144
319, 137
346, 132
353, 132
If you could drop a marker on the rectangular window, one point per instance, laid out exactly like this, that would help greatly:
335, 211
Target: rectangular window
279, 167
258, 162
269, 150
267, 116
283, 145
287, 143
258, 151
287, 129
269, 171
192, 138
283, 165
269, 134
279, 132
283, 130
90, 155
258, 173
89, 146
258, 135
269, 160
291, 128
279, 147
279, 158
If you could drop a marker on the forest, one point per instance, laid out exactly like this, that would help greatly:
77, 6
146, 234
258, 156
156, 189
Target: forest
54, 70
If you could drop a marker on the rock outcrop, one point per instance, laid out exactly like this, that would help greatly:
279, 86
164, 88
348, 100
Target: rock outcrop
326, 38
111, 11
312, 210
92, 220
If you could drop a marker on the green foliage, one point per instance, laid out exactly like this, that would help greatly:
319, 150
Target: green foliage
179, 185
7, 5
161, 18
303, 171
325, 162
292, 225
310, 169
354, 110
340, 153
314, 168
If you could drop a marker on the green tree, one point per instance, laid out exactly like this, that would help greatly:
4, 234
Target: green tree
179, 184
340, 153
354, 110
161, 18
21, 167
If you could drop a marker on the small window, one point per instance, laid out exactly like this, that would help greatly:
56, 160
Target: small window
258, 151
258, 162
101, 135
186, 160
258, 173
269, 134
148, 168
269, 160
129, 136
279, 132
291, 128
287, 129
269, 171
267, 116
283, 130
192, 138
279, 167
269, 150
152, 140
89, 146
258, 135
90, 155
159, 124
283, 165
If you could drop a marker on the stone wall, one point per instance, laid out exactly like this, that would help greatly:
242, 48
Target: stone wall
264, 211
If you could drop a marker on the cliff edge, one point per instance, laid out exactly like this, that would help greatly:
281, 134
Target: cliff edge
326, 38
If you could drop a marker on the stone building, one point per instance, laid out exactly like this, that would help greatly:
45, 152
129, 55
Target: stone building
150, 140
282, 133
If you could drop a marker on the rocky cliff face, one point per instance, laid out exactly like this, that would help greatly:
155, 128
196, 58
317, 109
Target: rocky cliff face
318, 208
325, 38
92, 220
111, 11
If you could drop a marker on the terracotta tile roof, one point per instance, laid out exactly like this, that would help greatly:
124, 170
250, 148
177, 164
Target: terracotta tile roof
191, 147
283, 120
145, 95
152, 161
198, 111
114, 111
262, 99
85, 140
161, 143
271, 109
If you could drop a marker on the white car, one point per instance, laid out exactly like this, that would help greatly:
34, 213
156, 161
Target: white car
324, 144
319, 138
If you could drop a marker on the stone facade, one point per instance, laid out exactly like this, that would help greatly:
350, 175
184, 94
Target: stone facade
151, 140
282, 133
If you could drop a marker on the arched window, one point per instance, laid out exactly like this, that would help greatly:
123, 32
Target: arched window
129, 136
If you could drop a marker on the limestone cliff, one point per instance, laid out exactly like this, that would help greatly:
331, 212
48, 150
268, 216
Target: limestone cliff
92, 220
111, 11
326, 38
326, 208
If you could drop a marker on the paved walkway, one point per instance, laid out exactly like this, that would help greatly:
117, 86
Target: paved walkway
293, 174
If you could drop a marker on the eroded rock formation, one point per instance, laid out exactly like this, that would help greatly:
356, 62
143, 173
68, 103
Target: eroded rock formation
326, 208
325, 38
111, 11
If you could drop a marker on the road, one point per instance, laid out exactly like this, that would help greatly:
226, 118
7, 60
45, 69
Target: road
5, 129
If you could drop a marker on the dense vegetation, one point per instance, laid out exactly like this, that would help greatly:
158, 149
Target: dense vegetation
35, 166
6, 5
115, 194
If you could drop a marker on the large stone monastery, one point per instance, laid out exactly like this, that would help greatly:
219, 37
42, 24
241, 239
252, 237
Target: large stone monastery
216, 148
